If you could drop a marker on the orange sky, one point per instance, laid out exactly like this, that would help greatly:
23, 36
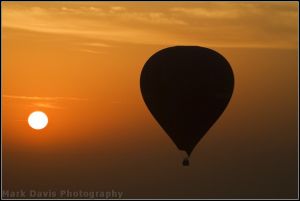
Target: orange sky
81, 62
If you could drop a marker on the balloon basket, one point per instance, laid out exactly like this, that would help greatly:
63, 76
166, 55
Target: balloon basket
186, 162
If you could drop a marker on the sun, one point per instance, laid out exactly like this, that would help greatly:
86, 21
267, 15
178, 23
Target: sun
37, 120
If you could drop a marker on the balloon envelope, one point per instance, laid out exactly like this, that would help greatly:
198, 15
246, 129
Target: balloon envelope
186, 88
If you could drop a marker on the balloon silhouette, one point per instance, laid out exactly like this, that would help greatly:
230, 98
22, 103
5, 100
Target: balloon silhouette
186, 88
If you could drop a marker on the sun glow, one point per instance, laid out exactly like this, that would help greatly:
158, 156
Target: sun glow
37, 120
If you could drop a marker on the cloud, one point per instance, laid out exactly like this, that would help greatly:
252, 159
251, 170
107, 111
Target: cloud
37, 98
157, 18
79, 22
117, 8
214, 24
43, 102
206, 13
46, 105
96, 44
90, 51
263, 25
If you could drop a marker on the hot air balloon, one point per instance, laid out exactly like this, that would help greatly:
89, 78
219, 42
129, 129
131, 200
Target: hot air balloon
186, 88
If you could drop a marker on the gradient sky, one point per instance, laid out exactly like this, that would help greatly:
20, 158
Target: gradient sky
80, 63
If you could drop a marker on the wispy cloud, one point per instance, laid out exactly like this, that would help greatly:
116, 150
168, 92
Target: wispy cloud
38, 98
228, 24
42, 101
117, 8
207, 13
90, 51
96, 44
93, 25
46, 105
